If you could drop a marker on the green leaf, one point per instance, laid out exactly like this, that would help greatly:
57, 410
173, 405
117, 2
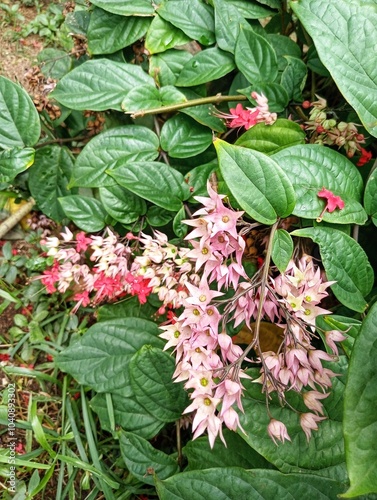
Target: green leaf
255, 57
337, 25
345, 262
127, 7
311, 167
142, 460
180, 229
370, 196
282, 249
14, 161
129, 143
205, 66
230, 483
270, 139
130, 308
294, 77
99, 85
109, 32
227, 24
254, 10
360, 411
154, 181
283, 46
150, 97
165, 67
19, 120
205, 114
276, 94
54, 63
314, 62
151, 372
128, 414
157, 216
87, 213
197, 178
121, 204
182, 137
100, 358
48, 179
193, 17
162, 36
257, 182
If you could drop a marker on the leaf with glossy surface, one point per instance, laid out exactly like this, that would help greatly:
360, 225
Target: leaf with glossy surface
227, 24
99, 85
338, 25
182, 137
165, 67
19, 120
360, 411
157, 216
294, 77
257, 182
156, 182
205, 114
282, 249
131, 143
370, 196
163, 35
87, 213
109, 32
150, 97
127, 7
14, 161
254, 10
310, 168
140, 457
151, 372
197, 179
345, 262
283, 46
121, 204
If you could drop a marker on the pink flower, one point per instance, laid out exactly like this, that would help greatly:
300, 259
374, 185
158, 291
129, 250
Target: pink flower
364, 158
332, 337
333, 202
277, 430
311, 400
82, 242
308, 422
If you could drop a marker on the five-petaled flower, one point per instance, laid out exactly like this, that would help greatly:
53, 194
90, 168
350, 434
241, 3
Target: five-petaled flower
333, 202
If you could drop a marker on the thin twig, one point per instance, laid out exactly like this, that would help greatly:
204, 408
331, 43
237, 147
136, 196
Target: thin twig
15, 218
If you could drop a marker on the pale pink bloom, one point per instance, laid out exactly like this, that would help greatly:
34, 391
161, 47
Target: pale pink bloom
231, 419
230, 392
201, 381
229, 351
308, 422
205, 418
277, 430
332, 337
311, 400
201, 295
67, 235
315, 356
310, 313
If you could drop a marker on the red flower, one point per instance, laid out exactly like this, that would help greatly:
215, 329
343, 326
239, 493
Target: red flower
4, 357
364, 158
333, 202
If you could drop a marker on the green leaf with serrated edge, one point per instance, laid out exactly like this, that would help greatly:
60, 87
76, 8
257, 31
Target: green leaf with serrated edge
163, 35
156, 182
337, 25
14, 161
294, 77
150, 97
140, 457
128, 414
310, 168
130, 307
193, 17
182, 137
121, 204
350, 327
127, 7
100, 358
19, 120
165, 67
179, 228
130, 143
370, 196
151, 372
345, 262
197, 179
227, 24
237, 453
230, 483
204, 114
87, 213
255, 57
109, 32
52, 169
276, 94
253, 10
270, 139
99, 85
257, 183
283, 46
324, 454
360, 411
205, 66
157, 216
282, 249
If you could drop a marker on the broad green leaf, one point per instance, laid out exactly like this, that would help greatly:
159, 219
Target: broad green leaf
283, 46
130, 308
128, 414
165, 67
14, 161
276, 94
163, 35
254, 10
193, 17
142, 460
227, 24
360, 411
230, 483
49, 177
282, 249
313, 167
256, 181
127, 7
180, 229
129, 143
121, 204
87, 213
156, 182
157, 216
108, 32
345, 262
294, 77
270, 139
19, 120
205, 114
99, 85
151, 372
348, 27
78, 21
314, 62
150, 97
255, 57
197, 179
54, 63
370, 196
100, 358
182, 137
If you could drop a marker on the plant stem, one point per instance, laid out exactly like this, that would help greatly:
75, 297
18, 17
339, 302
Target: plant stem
11, 221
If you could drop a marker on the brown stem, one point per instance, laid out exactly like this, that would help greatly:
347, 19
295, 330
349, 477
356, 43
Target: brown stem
11, 221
